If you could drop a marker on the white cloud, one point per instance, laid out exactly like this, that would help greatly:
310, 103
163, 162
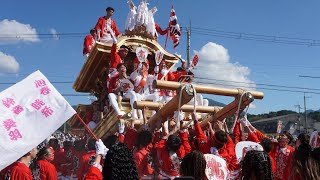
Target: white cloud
252, 106
12, 32
8, 64
214, 64
54, 34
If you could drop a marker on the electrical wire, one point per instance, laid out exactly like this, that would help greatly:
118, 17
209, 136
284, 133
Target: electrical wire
263, 88
261, 84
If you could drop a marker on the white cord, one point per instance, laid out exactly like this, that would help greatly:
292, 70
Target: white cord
237, 113
194, 104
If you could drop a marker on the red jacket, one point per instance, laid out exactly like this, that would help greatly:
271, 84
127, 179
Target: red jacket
85, 162
20, 171
282, 161
47, 170
59, 160
228, 153
253, 137
237, 132
169, 77
178, 74
141, 157
93, 174
166, 164
5, 173
160, 31
115, 59
102, 23
88, 44
201, 139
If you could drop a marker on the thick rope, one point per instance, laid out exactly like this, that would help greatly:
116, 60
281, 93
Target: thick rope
237, 112
179, 106
194, 104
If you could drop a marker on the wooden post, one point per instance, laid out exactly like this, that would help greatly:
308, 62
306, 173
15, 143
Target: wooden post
184, 108
170, 85
161, 116
229, 109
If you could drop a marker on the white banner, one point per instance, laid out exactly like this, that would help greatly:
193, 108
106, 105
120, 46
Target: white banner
30, 111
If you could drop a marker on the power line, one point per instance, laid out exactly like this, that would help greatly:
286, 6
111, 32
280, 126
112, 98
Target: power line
309, 76
261, 84
196, 30
273, 89
42, 36
256, 37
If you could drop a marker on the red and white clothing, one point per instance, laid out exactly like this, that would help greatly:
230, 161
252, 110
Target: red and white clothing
201, 140
170, 161
88, 44
115, 59
5, 173
227, 152
142, 82
126, 87
107, 30
76, 156
94, 173
19, 171
60, 162
86, 162
166, 95
159, 30
141, 159
282, 157
143, 85
45, 171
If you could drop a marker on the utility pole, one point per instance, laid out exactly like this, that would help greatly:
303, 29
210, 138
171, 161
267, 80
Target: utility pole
299, 107
188, 47
305, 113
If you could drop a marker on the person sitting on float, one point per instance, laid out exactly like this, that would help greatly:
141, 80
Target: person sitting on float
117, 56
162, 73
121, 85
142, 82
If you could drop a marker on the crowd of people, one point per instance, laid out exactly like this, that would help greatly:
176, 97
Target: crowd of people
173, 153
176, 150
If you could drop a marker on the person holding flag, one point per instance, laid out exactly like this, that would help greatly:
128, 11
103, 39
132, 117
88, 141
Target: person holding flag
28, 117
174, 31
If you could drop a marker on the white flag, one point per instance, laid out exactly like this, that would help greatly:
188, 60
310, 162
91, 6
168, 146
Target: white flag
30, 111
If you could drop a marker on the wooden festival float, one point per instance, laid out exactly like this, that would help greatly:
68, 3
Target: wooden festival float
92, 79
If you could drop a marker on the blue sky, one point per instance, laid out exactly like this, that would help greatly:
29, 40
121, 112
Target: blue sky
224, 57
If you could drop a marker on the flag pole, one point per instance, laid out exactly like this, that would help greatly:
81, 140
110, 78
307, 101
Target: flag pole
88, 129
165, 45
